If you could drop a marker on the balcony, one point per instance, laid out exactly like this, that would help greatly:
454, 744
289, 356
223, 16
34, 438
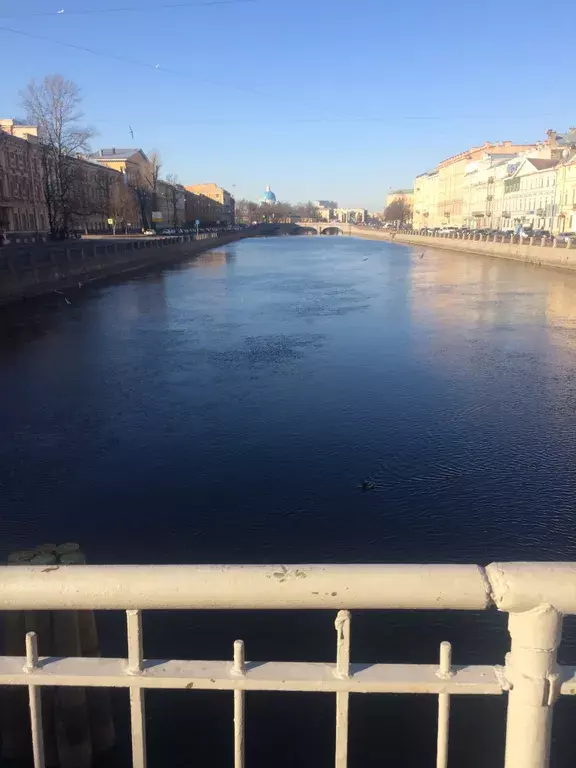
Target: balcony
535, 595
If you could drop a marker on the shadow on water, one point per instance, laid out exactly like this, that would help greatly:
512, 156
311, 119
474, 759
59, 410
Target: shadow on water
228, 409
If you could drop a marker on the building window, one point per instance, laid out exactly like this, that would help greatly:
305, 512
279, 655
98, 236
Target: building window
511, 185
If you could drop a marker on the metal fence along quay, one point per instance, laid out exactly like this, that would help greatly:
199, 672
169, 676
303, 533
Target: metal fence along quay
535, 595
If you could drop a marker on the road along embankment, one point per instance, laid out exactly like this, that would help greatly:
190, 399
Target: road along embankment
37, 269
541, 252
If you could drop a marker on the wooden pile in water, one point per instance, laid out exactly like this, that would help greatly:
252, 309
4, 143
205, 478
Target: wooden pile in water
77, 722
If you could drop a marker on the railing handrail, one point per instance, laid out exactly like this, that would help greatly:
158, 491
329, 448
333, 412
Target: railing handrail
508, 586
456, 587
536, 595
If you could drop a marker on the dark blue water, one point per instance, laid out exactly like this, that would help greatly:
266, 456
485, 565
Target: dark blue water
227, 410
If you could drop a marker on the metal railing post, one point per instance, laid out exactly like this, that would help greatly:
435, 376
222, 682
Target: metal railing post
534, 685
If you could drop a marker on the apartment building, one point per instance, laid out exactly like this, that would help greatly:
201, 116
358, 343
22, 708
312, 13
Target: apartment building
137, 168
566, 195
226, 212
425, 205
22, 207
479, 190
449, 208
171, 204
529, 194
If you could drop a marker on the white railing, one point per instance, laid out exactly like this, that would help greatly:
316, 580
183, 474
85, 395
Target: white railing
536, 595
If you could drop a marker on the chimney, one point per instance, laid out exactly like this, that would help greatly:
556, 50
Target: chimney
101, 153
551, 138
113, 150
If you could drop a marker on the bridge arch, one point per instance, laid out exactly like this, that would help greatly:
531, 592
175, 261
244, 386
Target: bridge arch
324, 227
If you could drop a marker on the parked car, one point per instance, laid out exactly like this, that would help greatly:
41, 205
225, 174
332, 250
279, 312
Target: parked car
565, 237
448, 229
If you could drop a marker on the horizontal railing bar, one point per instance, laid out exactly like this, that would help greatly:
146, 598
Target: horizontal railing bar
517, 587
129, 587
259, 676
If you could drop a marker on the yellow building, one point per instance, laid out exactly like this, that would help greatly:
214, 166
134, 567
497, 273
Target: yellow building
425, 200
133, 163
566, 195
407, 194
221, 196
448, 207
141, 176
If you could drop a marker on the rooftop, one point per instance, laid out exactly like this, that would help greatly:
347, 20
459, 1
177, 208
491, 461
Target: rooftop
542, 163
116, 153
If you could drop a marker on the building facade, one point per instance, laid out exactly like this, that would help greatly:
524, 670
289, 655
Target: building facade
425, 205
133, 163
22, 206
25, 184
449, 208
225, 212
350, 215
529, 195
171, 204
479, 190
406, 194
566, 194
201, 208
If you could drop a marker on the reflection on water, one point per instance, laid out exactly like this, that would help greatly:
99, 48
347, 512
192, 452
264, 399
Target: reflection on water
227, 410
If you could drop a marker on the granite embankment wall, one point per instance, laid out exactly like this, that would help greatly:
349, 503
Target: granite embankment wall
540, 251
36, 269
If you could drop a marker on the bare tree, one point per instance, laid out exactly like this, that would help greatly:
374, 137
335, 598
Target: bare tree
119, 202
54, 106
154, 175
173, 193
144, 186
247, 211
308, 210
399, 211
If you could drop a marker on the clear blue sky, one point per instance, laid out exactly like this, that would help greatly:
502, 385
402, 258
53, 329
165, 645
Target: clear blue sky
318, 98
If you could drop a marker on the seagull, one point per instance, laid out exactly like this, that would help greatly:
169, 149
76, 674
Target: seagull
421, 255
131, 131
157, 66
62, 11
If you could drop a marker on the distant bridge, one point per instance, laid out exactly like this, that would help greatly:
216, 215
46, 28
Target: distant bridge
323, 227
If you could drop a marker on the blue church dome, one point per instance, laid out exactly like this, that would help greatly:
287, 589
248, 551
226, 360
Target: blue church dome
268, 196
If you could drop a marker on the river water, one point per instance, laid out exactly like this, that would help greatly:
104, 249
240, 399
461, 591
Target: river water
228, 409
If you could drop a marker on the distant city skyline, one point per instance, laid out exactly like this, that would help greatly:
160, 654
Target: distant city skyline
240, 107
